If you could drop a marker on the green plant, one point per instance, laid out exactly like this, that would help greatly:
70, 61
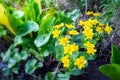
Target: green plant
112, 70
36, 34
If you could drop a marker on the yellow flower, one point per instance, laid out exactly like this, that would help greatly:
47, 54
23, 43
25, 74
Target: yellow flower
75, 47
88, 33
108, 29
88, 44
99, 29
69, 26
95, 21
80, 62
89, 13
96, 14
66, 61
101, 25
59, 26
55, 33
73, 32
87, 24
91, 50
63, 40
81, 23
68, 49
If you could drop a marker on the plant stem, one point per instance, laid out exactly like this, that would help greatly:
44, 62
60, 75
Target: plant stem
56, 70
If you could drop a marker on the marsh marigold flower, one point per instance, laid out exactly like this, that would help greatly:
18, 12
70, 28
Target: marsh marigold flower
66, 61
59, 26
75, 47
55, 33
99, 29
81, 23
88, 44
63, 40
96, 14
88, 33
68, 49
73, 32
80, 62
89, 13
90, 48
69, 26
108, 29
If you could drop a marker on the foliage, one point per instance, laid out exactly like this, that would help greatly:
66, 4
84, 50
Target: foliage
112, 70
37, 33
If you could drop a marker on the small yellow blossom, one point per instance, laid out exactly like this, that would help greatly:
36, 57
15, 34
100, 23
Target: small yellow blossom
73, 32
66, 61
101, 25
88, 44
99, 29
88, 33
55, 33
108, 29
63, 40
69, 26
89, 13
91, 50
75, 47
59, 26
68, 49
81, 23
80, 62
96, 14
95, 21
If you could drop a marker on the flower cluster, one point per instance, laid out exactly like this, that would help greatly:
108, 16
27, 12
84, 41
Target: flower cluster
91, 13
90, 28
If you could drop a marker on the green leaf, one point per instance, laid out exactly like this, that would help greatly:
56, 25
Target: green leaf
61, 76
115, 58
46, 25
74, 14
6, 56
35, 53
18, 40
27, 28
48, 76
111, 70
11, 62
31, 65
24, 55
2, 31
41, 40
18, 14
77, 71
6, 71
59, 51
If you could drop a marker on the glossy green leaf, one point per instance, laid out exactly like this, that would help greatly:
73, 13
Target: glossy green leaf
18, 40
111, 70
115, 58
18, 14
2, 31
31, 65
35, 53
48, 76
41, 40
59, 51
6, 71
61, 76
27, 28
